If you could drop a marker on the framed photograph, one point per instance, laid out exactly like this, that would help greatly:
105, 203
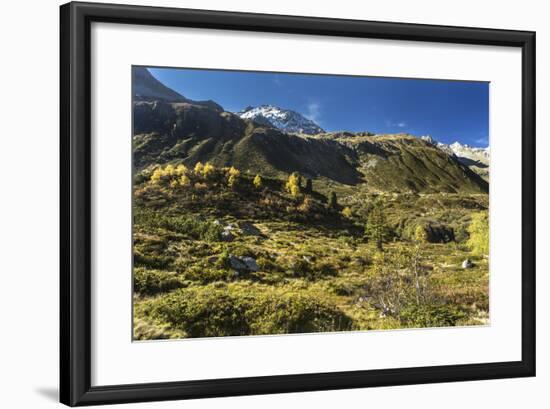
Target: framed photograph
257, 204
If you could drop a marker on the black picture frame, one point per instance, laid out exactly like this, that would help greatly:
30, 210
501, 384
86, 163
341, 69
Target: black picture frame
75, 203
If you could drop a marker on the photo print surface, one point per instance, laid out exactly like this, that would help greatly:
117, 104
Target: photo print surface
281, 203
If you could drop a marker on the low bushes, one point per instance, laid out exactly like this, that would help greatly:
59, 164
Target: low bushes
431, 315
151, 282
479, 233
432, 232
150, 260
189, 226
221, 309
204, 275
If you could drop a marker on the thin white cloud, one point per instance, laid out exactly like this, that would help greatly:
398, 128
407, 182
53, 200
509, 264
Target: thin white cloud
313, 111
482, 141
399, 124
277, 80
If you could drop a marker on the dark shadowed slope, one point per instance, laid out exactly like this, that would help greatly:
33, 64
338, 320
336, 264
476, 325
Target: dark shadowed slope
188, 132
145, 87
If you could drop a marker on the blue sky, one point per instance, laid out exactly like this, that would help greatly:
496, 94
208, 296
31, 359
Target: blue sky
449, 111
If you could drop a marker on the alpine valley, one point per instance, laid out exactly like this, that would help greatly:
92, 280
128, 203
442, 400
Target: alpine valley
261, 222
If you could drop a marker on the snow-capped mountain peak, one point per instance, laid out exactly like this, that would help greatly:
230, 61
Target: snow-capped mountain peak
429, 139
471, 152
461, 150
476, 159
285, 120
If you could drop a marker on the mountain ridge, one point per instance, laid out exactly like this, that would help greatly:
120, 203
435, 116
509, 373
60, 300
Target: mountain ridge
170, 128
145, 87
285, 120
476, 158
188, 133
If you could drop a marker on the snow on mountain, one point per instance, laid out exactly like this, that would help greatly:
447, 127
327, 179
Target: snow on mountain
470, 152
428, 139
476, 159
284, 119
461, 150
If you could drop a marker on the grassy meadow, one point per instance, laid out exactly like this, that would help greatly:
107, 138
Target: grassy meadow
221, 252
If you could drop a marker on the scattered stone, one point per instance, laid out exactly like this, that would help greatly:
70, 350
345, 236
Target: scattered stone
249, 229
243, 264
227, 236
307, 259
467, 264
237, 263
251, 264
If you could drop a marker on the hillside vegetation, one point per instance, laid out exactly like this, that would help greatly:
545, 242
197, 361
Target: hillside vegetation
241, 228
189, 133
218, 253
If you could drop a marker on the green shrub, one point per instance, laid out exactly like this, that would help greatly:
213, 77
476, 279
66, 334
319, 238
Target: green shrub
145, 330
325, 269
461, 234
223, 260
427, 231
420, 234
151, 261
396, 281
309, 186
345, 286
265, 264
376, 228
295, 312
429, 315
221, 309
205, 275
240, 250
187, 225
151, 282
333, 201
300, 268
479, 233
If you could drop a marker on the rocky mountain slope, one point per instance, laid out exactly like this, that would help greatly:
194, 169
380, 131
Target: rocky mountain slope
145, 87
475, 158
171, 128
285, 120
187, 132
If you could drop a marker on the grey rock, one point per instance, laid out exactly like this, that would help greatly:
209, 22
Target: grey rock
237, 263
467, 264
243, 264
227, 236
251, 264
250, 229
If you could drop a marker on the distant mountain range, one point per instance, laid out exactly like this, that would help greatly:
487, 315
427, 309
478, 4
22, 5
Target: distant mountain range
275, 142
475, 158
290, 121
284, 119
